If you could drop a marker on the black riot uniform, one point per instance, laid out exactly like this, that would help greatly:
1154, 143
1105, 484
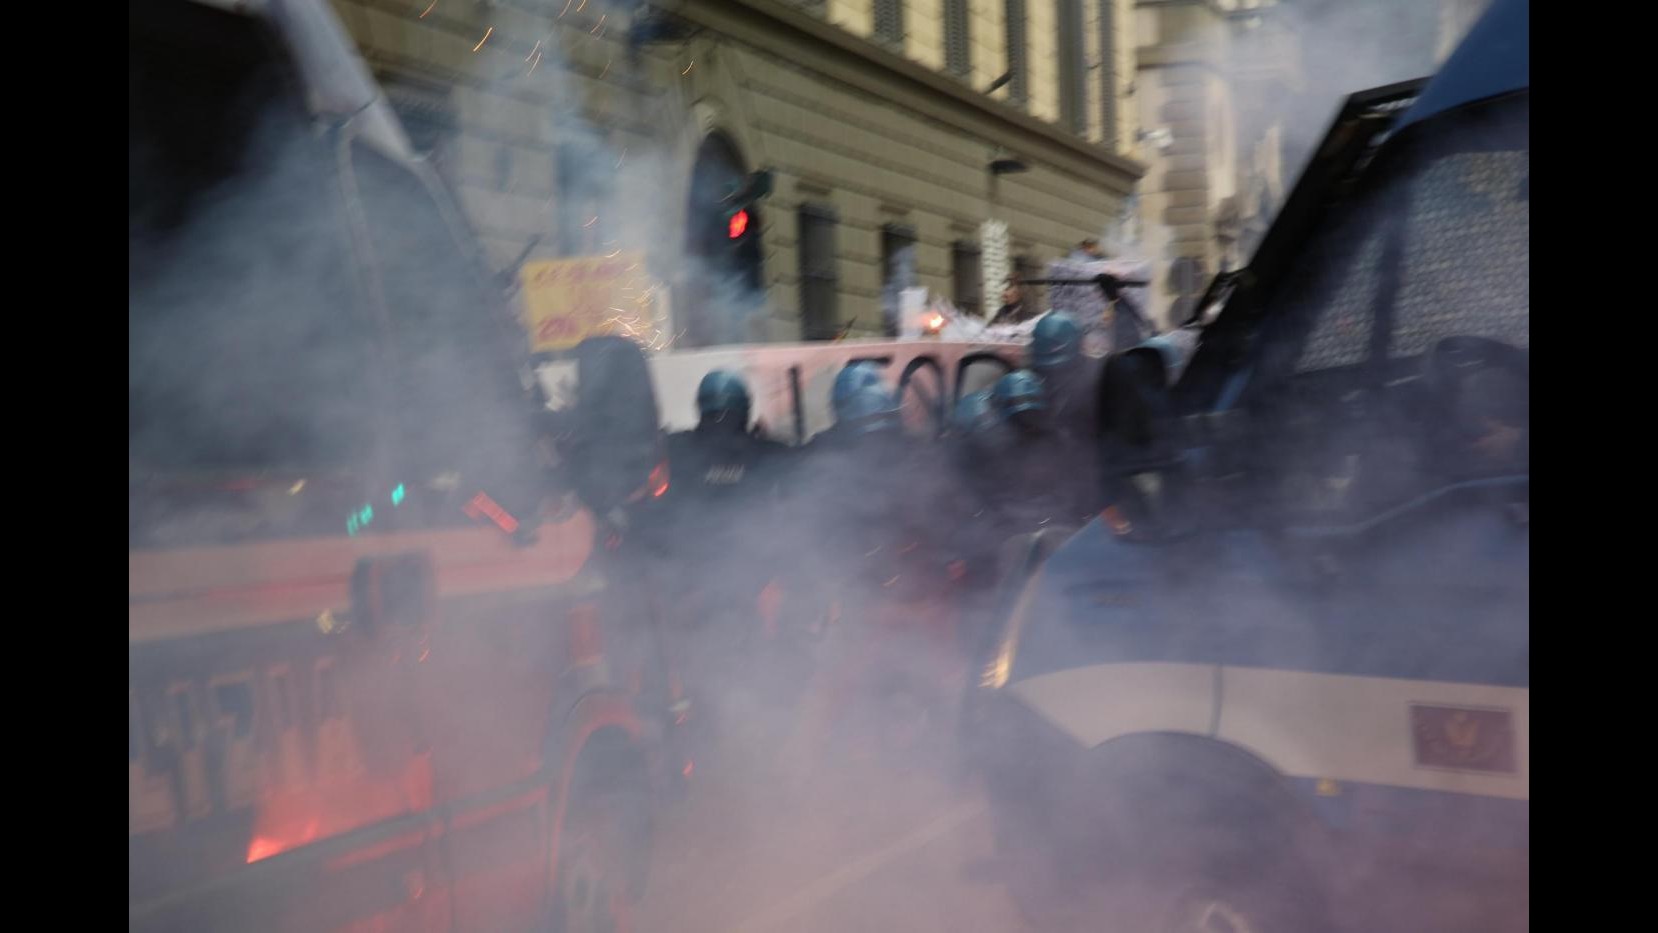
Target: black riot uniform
723, 492
1043, 472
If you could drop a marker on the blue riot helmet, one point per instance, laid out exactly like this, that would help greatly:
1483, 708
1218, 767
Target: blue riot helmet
869, 409
1021, 398
1055, 342
1018, 392
850, 379
721, 397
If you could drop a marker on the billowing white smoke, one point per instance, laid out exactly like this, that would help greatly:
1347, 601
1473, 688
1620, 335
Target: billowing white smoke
899, 275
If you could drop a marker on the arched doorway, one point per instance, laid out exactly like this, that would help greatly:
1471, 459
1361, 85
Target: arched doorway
723, 287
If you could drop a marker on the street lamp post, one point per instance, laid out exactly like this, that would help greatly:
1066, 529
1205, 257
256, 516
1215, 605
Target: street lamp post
993, 236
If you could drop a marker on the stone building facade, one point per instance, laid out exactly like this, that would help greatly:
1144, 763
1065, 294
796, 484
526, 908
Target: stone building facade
582, 127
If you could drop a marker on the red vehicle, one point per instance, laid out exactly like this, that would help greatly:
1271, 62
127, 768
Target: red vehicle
386, 670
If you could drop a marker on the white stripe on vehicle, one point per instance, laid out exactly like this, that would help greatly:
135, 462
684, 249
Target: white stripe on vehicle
1335, 726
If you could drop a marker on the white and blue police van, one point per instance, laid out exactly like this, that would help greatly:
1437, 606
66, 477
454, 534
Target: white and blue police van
1282, 682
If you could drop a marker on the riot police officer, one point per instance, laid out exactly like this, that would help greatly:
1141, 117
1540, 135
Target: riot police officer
1020, 400
1072, 385
851, 378
723, 491
721, 456
1042, 473
866, 415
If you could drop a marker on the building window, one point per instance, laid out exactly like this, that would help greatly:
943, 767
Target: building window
819, 281
965, 275
1073, 92
1108, 73
889, 23
897, 272
1018, 89
958, 39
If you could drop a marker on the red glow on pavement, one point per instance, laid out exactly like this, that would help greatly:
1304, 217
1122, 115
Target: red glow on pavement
263, 848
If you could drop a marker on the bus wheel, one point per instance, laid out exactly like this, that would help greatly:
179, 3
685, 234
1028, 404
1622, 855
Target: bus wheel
592, 891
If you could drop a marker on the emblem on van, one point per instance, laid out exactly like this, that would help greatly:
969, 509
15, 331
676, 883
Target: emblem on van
1463, 739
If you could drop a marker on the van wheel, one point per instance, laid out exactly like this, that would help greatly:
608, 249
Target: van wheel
1177, 876
1239, 868
1051, 903
594, 888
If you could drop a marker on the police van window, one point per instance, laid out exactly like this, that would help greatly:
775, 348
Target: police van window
1468, 200
460, 410
1331, 300
248, 359
1457, 201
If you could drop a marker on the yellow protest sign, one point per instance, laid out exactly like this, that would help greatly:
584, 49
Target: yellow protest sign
568, 300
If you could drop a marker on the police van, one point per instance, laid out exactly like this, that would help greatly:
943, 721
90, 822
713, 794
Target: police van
386, 669
1282, 682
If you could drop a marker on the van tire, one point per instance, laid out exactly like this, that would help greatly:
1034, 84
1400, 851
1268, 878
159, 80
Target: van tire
1204, 842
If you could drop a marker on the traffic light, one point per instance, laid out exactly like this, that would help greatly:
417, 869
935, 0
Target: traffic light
735, 205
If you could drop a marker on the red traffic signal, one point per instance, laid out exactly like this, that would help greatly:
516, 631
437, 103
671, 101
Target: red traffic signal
737, 226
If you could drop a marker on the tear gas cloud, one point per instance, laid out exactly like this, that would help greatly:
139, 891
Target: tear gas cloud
860, 552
